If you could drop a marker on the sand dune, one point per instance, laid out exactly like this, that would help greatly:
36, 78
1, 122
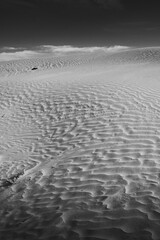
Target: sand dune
80, 147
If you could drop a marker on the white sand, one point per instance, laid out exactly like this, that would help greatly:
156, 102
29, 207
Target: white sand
80, 147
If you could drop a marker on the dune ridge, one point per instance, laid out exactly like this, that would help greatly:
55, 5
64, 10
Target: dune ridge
47, 62
79, 147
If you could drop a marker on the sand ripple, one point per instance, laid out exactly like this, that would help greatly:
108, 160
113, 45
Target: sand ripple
80, 149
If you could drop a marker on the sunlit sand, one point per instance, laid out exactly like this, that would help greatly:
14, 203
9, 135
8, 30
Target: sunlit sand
80, 147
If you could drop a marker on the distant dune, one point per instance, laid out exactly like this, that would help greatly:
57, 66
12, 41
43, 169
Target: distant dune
73, 59
80, 147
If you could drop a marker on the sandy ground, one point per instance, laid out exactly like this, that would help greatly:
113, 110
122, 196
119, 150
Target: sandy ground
80, 147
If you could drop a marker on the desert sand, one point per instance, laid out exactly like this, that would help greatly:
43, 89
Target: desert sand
80, 147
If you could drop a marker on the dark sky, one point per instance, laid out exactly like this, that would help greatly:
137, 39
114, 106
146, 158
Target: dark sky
79, 22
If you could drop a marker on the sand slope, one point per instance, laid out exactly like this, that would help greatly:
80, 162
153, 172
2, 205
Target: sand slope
80, 147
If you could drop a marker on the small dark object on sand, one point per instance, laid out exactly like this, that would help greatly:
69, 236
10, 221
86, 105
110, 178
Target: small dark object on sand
34, 68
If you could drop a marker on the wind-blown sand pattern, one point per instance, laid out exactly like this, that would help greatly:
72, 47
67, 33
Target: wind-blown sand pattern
80, 147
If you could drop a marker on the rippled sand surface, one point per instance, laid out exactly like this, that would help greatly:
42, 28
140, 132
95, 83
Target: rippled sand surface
80, 147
